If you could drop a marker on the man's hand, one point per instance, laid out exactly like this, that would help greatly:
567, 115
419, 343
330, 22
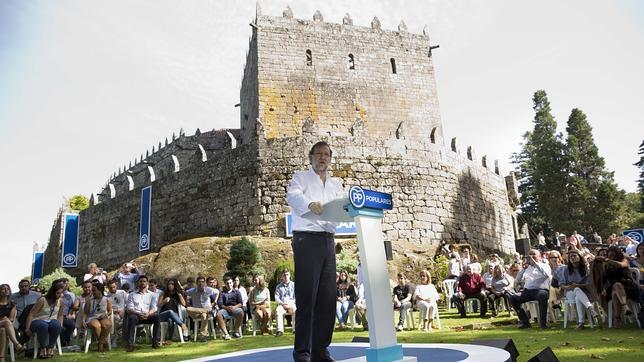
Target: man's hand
316, 208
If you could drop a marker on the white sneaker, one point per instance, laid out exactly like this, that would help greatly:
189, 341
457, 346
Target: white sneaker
400, 327
227, 337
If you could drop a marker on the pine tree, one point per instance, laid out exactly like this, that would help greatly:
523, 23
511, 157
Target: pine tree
640, 182
594, 203
541, 169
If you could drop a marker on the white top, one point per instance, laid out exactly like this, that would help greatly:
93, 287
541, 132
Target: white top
476, 267
118, 299
537, 277
244, 294
454, 267
307, 187
99, 277
427, 290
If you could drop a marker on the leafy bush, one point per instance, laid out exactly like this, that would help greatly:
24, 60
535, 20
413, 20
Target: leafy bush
279, 269
439, 269
346, 261
245, 260
78, 202
45, 282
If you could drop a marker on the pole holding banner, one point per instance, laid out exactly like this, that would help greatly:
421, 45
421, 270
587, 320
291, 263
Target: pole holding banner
146, 210
69, 256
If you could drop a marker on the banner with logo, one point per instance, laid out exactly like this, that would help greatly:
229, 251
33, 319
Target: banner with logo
146, 209
37, 267
635, 234
343, 228
70, 241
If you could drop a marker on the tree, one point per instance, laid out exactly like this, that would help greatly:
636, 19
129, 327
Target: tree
540, 165
245, 260
640, 182
78, 203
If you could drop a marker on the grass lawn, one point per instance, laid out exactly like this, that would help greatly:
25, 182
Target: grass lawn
625, 344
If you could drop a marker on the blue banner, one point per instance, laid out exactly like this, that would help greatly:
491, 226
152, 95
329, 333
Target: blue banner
70, 241
371, 199
343, 228
146, 208
635, 234
37, 267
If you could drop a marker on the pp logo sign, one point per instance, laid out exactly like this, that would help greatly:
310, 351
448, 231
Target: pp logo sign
635, 235
144, 243
69, 259
356, 196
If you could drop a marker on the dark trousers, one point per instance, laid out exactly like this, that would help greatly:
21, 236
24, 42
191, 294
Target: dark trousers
133, 320
460, 303
69, 325
315, 290
526, 295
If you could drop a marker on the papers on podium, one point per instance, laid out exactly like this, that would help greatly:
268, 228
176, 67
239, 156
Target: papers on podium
334, 211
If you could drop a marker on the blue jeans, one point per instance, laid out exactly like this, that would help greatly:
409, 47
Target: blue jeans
342, 310
47, 332
172, 318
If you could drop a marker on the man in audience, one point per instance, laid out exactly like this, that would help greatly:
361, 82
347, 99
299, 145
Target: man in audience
142, 309
200, 305
230, 306
95, 273
69, 317
536, 277
285, 300
154, 287
128, 275
470, 285
24, 297
190, 284
402, 299
118, 298
361, 307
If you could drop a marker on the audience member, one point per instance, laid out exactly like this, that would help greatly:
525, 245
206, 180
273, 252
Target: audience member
238, 285
501, 286
465, 258
514, 270
487, 276
557, 267
494, 259
541, 242
118, 299
190, 284
619, 286
453, 266
346, 296
7, 316
201, 302
402, 299
230, 306
260, 303
128, 275
24, 297
470, 285
97, 315
170, 300
426, 298
69, 315
536, 276
95, 273
285, 300
574, 282
142, 309
45, 320
630, 246
361, 308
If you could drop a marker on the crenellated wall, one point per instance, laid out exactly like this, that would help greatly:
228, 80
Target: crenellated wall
384, 127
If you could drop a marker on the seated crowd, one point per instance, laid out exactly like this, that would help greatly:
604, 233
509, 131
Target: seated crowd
111, 310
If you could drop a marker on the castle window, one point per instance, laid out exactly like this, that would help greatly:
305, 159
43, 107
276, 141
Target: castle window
393, 65
469, 152
309, 57
352, 64
432, 136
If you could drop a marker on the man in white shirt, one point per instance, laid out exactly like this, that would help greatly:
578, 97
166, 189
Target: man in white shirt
118, 298
200, 305
285, 300
95, 273
314, 255
142, 309
536, 278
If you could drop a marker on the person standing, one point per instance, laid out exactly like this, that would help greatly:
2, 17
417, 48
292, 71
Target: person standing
314, 254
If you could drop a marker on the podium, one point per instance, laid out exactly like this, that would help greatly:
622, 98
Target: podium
366, 209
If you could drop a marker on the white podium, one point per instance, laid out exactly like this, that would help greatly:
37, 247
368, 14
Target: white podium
365, 208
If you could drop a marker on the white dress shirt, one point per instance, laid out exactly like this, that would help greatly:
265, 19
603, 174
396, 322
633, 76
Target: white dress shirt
537, 277
307, 187
139, 302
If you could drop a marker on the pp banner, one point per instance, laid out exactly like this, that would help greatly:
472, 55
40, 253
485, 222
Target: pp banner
635, 234
70, 241
146, 208
37, 267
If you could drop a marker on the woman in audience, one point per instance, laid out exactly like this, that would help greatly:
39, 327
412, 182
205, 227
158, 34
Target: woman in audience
501, 286
574, 283
514, 270
7, 316
169, 302
260, 302
618, 283
426, 296
601, 251
475, 265
346, 296
238, 285
98, 310
45, 320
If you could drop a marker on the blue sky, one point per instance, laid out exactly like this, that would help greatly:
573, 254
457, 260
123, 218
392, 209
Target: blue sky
85, 87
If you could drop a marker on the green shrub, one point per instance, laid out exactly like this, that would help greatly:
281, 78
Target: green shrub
45, 282
245, 260
283, 265
438, 269
347, 261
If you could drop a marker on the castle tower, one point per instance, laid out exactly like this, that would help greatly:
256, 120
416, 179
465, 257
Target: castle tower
335, 73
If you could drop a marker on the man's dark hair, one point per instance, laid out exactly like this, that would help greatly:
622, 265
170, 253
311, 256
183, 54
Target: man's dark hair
111, 282
153, 281
144, 277
201, 277
209, 279
320, 144
87, 282
24, 281
99, 286
227, 278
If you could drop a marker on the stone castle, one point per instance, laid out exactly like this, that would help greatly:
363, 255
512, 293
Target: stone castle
368, 91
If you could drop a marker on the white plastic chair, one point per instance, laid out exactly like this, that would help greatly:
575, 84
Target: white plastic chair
211, 325
147, 328
410, 323
448, 290
255, 324
12, 352
36, 346
569, 308
164, 330
436, 319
